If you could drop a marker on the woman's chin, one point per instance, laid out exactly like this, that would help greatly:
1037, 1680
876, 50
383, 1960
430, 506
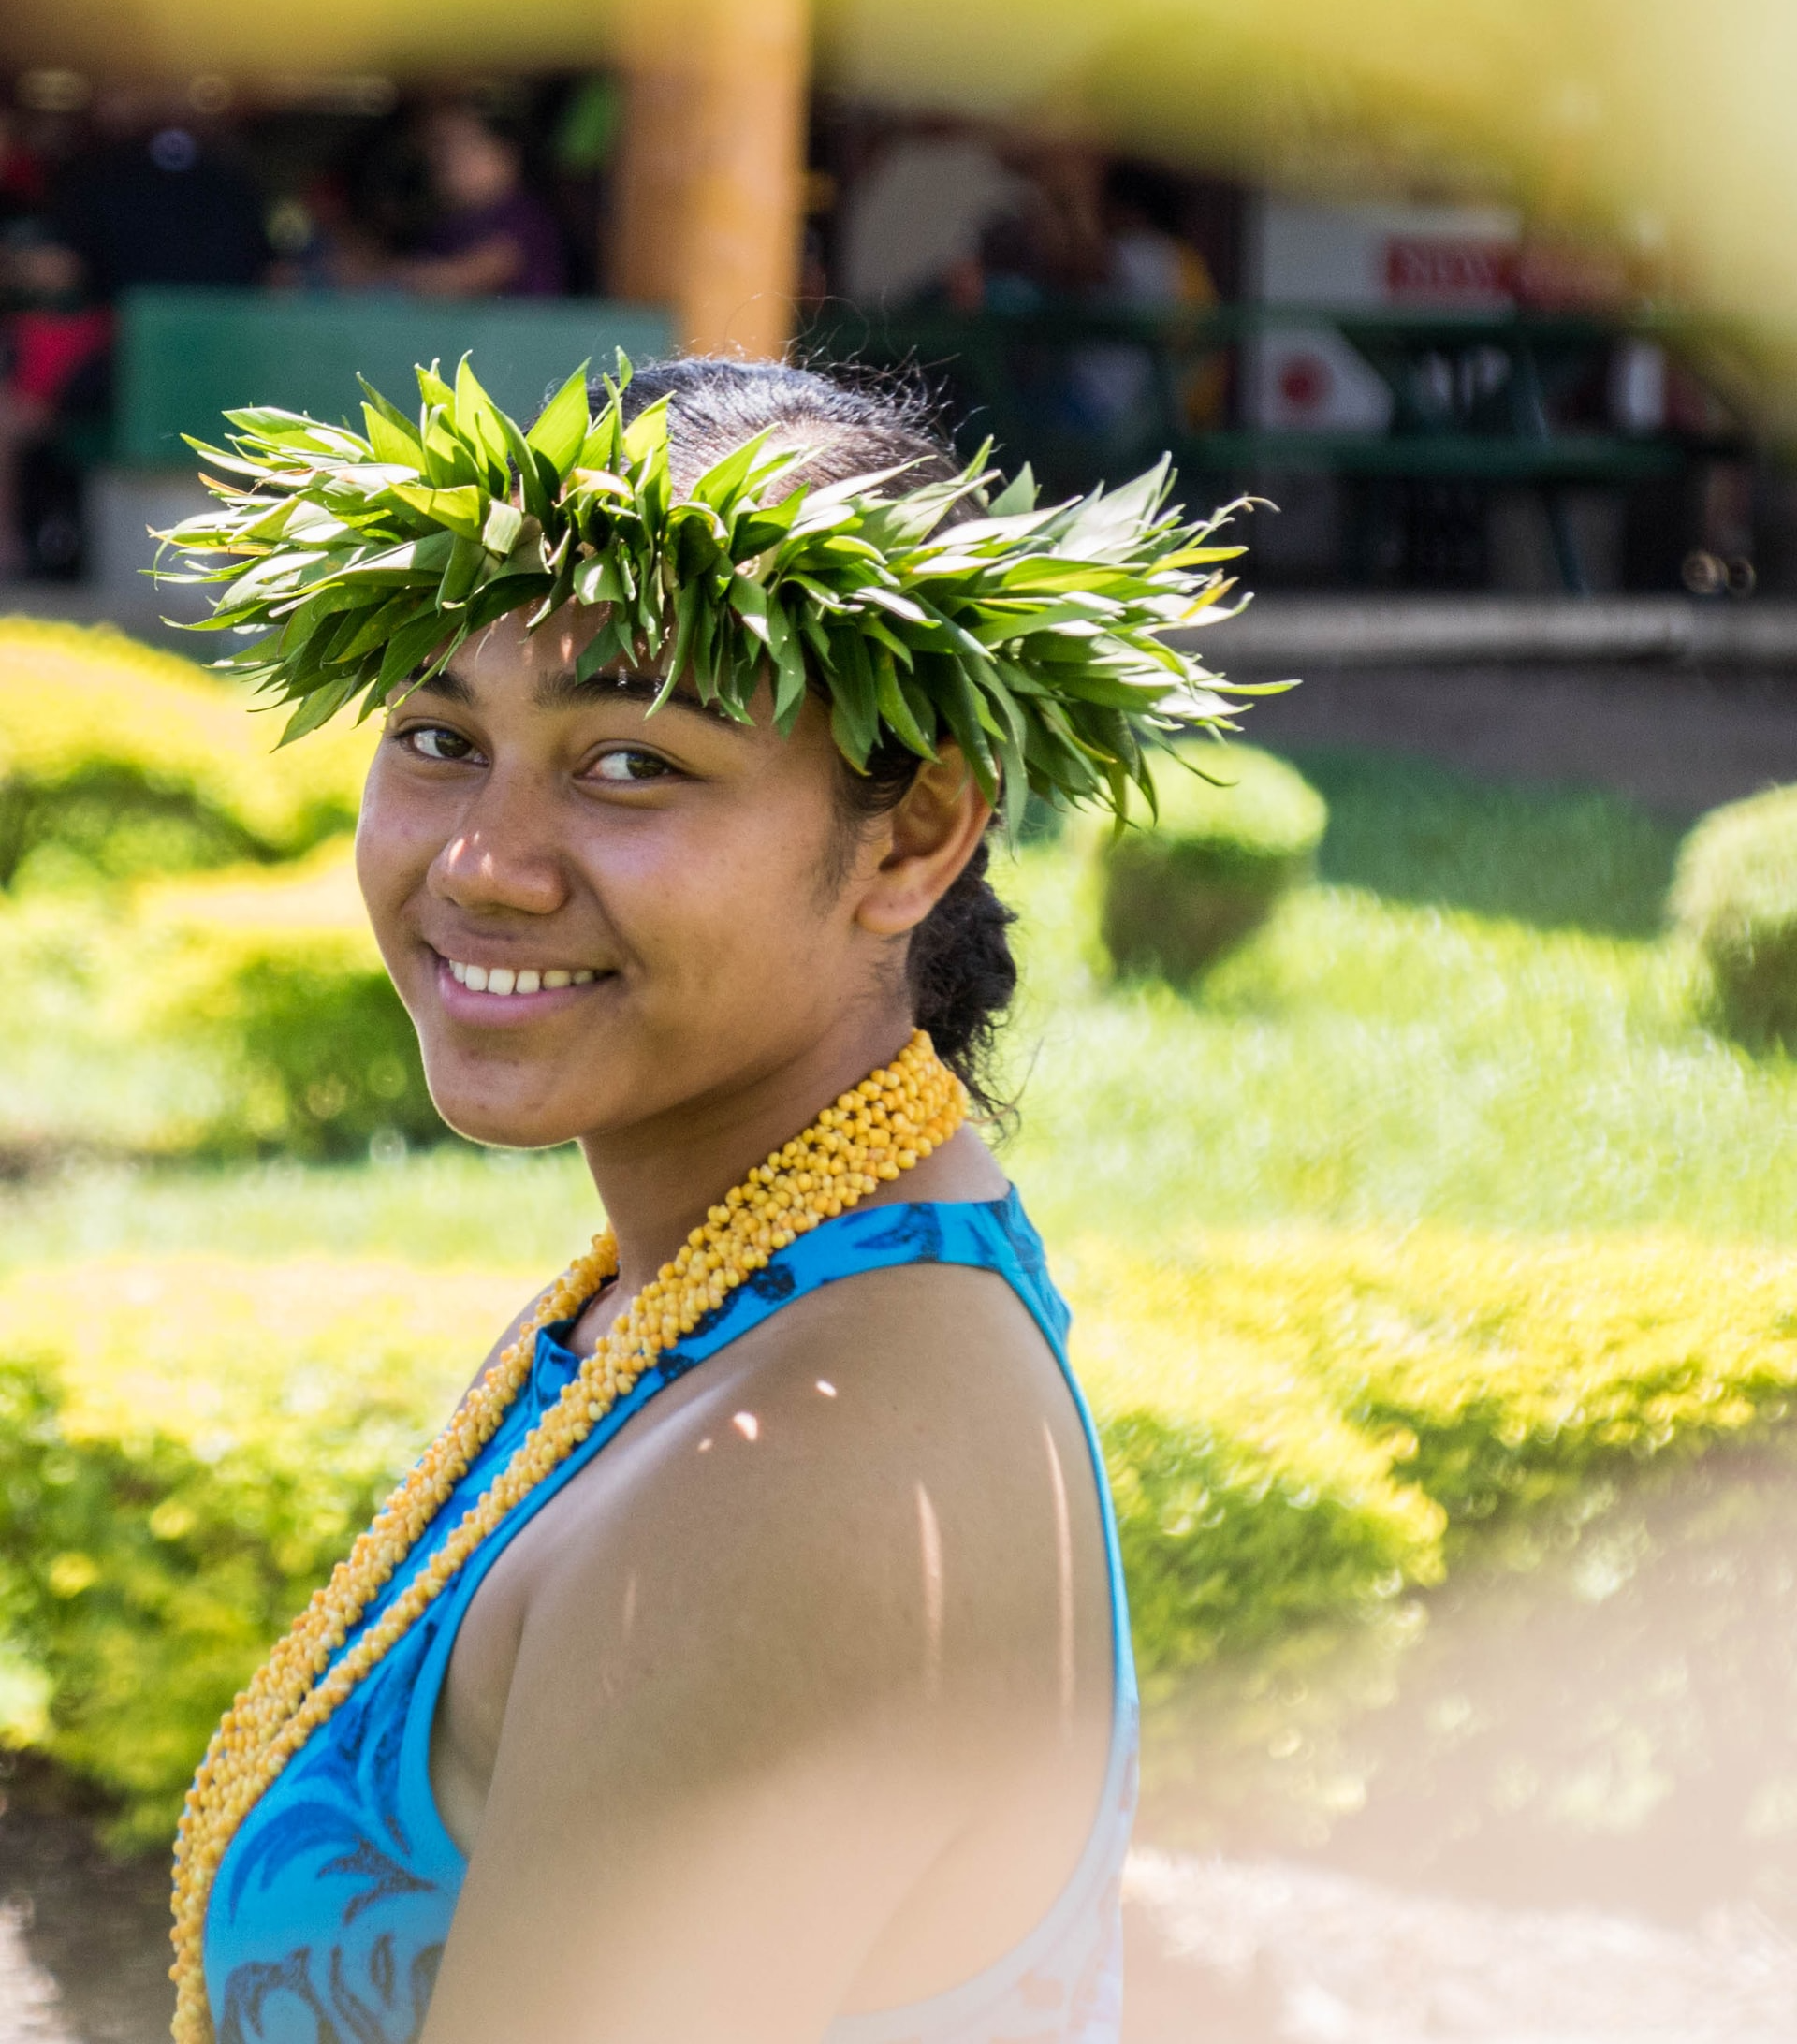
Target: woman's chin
478, 1117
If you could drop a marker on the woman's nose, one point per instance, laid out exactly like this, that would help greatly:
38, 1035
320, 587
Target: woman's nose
500, 855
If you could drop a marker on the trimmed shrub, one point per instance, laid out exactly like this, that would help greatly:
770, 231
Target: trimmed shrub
1298, 1424
276, 975
1735, 895
116, 759
1181, 892
186, 1446
1301, 1422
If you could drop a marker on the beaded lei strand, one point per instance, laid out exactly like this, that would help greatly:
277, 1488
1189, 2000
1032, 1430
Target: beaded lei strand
891, 1121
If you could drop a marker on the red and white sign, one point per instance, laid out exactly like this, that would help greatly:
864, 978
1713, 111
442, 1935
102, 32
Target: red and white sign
1441, 269
1361, 258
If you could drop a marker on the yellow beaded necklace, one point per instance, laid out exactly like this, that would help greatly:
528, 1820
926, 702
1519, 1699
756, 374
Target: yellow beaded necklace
892, 1119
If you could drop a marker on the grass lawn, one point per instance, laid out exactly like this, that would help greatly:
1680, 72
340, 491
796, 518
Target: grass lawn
1431, 1205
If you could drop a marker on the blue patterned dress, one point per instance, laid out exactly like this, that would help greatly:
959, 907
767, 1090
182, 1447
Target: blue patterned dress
330, 1909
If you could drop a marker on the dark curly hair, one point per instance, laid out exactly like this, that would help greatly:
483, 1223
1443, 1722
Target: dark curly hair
958, 967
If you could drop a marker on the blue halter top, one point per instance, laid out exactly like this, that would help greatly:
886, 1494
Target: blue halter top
332, 1904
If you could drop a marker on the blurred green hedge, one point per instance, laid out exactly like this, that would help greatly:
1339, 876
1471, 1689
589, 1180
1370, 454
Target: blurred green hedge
274, 977
1736, 897
185, 1448
1298, 1424
1183, 890
220, 1016
117, 760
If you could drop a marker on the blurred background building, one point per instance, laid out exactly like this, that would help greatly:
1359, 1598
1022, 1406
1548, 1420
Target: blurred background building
1449, 374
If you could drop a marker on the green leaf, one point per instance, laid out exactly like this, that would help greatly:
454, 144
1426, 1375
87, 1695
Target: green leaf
790, 680
538, 487
604, 578
748, 600
460, 575
610, 642
318, 708
724, 478
646, 433
1019, 494
949, 688
379, 624
294, 431
686, 615
503, 594
896, 708
854, 711
1093, 685
419, 562
461, 511
504, 524
563, 426
477, 419
391, 436
409, 645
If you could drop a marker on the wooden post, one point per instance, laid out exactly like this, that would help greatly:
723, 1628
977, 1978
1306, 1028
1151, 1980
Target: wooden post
710, 174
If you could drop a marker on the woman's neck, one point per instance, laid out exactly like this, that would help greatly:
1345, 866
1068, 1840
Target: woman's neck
657, 1178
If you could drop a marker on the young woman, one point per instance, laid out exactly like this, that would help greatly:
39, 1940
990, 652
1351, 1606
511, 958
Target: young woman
747, 1662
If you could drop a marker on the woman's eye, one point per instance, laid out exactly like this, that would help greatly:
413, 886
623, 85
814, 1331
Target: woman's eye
436, 741
628, 764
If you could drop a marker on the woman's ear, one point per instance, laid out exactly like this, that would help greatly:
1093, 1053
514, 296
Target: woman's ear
923, 844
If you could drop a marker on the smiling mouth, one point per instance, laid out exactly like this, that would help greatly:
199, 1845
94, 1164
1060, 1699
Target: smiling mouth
506, 980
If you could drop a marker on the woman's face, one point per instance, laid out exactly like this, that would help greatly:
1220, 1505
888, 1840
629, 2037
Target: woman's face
596, 916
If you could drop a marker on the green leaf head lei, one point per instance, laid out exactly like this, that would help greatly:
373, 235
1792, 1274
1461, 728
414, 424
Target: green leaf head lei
357, 563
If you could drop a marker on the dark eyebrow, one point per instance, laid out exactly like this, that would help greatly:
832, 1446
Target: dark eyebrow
451, 687
563, 690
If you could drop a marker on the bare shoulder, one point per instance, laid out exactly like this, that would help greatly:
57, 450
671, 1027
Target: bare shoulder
833, 1609
885, 1485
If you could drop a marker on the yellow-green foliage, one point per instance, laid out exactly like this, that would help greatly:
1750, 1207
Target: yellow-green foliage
1302, 1419
276, 974
222, 1014
1181, 893
185, 1447
1736, 895
118, 759
1297, 1424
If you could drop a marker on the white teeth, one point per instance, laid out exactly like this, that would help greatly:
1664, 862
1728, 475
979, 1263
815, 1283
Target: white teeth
505, 978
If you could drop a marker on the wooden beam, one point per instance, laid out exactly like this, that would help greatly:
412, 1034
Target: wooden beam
708, 205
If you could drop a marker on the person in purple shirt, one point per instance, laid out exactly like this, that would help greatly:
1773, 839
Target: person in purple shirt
492, 236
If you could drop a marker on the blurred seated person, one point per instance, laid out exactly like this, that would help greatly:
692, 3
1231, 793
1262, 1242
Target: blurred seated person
158, 204
492, 236
1146, 265
55, 343
911, 227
